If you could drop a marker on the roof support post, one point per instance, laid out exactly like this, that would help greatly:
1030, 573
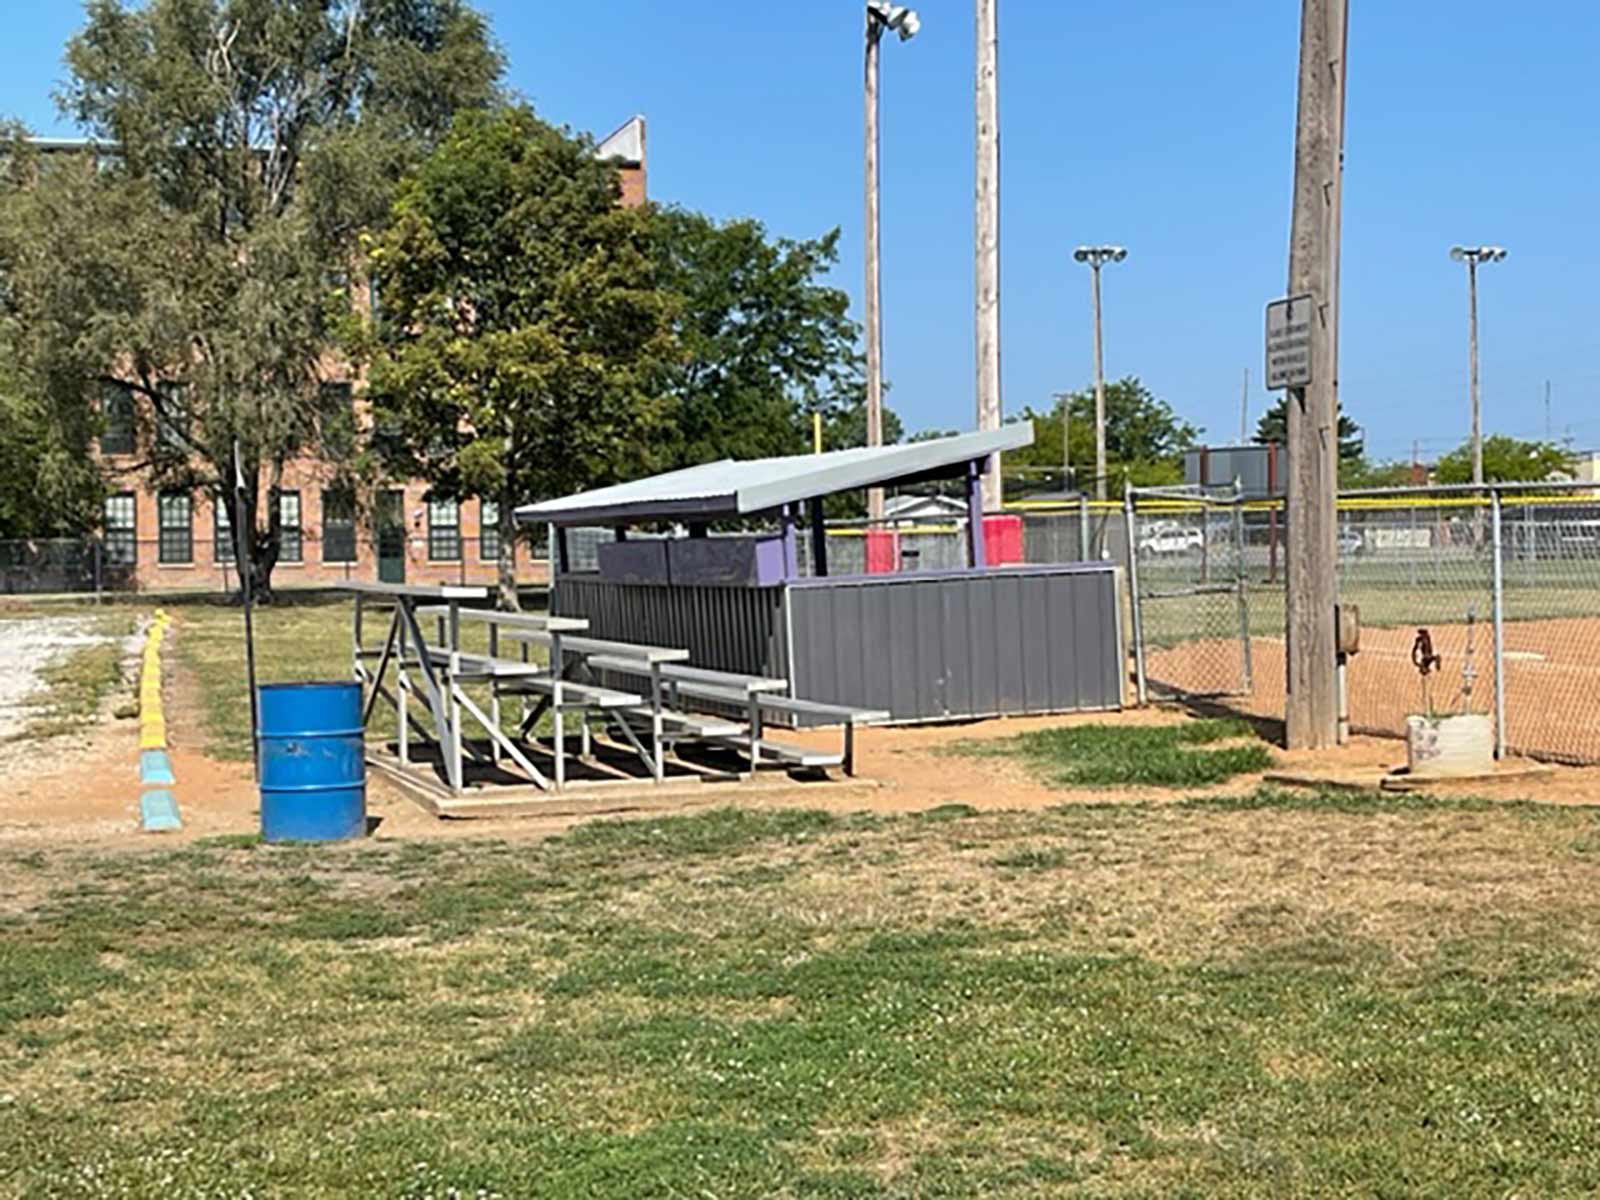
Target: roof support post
563, 560
819, 539
791, 551
975, 549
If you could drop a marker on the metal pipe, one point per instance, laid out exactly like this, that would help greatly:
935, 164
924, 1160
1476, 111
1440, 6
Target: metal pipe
1099, 390
1244, 598
872, 293
1554, 485
1344, 704
1499, 626
1472, 354
1133, 595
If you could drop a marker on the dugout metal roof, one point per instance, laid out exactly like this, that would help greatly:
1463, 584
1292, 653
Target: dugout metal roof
731, 488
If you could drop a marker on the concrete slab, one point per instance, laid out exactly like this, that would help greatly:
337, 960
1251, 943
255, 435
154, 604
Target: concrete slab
155, 768
158, 812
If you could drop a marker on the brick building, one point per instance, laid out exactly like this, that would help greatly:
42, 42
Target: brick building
160, 540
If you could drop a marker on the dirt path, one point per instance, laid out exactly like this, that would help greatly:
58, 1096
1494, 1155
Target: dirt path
87, 791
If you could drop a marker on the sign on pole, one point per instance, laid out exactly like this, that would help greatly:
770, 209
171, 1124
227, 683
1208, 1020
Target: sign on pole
1289, 342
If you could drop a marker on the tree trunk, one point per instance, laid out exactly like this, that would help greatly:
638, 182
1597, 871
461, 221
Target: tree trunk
253, 551
508, 555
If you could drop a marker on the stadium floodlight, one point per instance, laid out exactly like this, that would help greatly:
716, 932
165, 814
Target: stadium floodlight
897, 17
1095, 255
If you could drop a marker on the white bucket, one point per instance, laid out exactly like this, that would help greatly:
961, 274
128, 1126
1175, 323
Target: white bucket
1450, 746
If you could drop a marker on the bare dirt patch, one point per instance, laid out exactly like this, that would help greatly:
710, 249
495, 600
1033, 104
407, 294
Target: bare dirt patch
1552, 680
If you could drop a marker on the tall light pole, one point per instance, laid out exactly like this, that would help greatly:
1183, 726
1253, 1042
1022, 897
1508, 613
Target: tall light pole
986, 234
1096, 257
1472, 256
904, 21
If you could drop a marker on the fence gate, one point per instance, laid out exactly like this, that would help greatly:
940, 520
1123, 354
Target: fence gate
1187, 580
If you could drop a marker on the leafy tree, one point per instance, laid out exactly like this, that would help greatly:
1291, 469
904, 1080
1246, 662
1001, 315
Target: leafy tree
765, 343
1505, 460
1145, 439
1354, 471
844, 423
240, 147
49, 486
1362, 474
524, 348
1274, 427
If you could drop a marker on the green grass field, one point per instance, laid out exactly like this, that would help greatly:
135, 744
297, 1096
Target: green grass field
294, 642
1266, 995
1168, 756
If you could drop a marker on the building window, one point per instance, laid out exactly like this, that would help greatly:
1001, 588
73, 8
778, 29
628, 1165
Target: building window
444, 531
336, 420
338, 526
175, 528
488, 531
117, 408
222, 528
120, 527
289, 542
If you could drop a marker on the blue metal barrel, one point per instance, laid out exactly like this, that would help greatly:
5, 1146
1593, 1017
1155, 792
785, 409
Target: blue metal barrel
313, 765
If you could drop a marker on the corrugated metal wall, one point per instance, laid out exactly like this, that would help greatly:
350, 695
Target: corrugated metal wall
723, 628
924, 647
967, 644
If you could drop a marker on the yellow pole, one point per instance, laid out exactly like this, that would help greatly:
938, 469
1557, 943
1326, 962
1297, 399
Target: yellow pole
816, 433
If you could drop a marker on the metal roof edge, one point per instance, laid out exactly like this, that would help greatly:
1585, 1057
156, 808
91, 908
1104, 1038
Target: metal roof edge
910, 458
717, 489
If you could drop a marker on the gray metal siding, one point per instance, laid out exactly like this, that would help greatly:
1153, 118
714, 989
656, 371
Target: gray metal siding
924, 647
726, 629
1014, 641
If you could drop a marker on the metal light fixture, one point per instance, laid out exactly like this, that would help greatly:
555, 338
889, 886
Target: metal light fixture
1478, 254
1100, 254
897, 17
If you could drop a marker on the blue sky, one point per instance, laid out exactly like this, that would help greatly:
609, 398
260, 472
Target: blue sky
1162, 125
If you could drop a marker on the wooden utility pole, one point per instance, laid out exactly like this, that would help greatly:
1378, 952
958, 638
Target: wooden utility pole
1312, 711
874, 290
986, 217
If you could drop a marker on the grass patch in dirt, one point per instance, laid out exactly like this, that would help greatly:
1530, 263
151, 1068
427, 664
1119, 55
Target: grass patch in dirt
1347, 800
1165, 756
294, 642
1283, 999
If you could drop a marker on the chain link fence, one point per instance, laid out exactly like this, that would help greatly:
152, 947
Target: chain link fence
42, 566
1188, 579
1504, 580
